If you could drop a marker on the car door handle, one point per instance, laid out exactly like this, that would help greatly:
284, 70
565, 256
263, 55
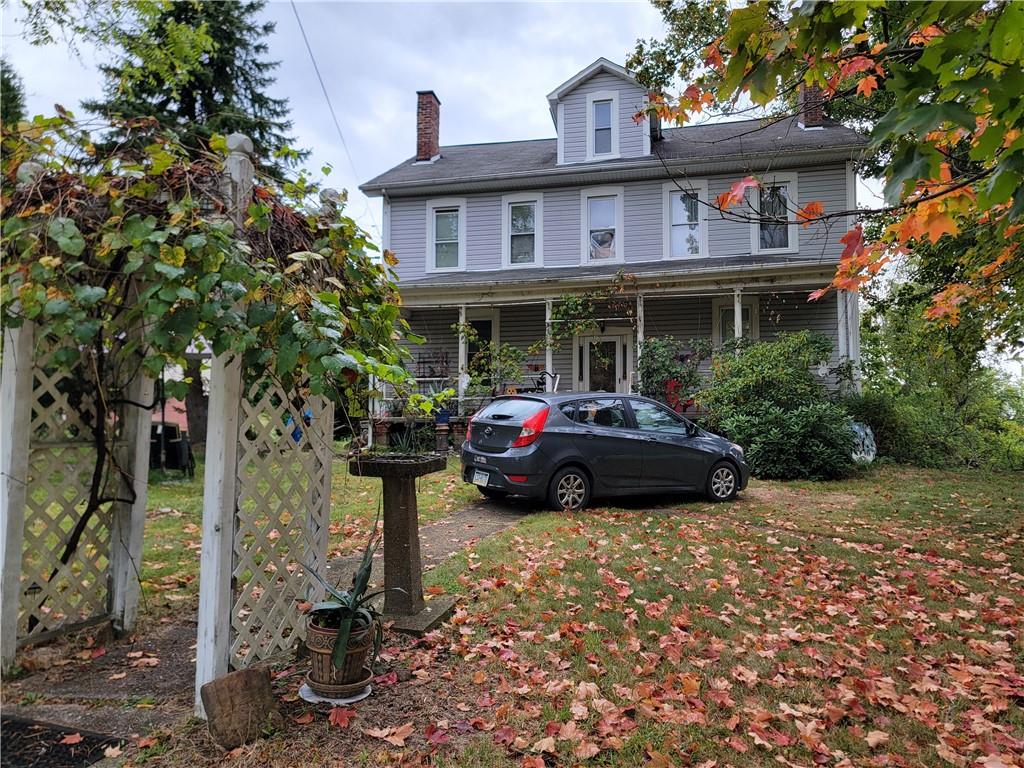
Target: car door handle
589, 435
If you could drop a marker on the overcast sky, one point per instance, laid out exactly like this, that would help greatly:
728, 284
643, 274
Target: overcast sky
491, 64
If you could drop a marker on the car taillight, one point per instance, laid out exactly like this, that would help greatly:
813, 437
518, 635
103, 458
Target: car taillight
469, 429
532, 428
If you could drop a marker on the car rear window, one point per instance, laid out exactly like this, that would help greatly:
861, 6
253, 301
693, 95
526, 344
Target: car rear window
514, 409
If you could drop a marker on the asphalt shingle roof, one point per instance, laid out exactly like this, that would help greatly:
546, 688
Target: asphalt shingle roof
696, 143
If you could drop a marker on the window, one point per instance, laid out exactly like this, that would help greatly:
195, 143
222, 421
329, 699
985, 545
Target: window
602, 125
522, 235
723, 319
446, 241
653, 418
775, 202
602, 224
685, 217
602, 413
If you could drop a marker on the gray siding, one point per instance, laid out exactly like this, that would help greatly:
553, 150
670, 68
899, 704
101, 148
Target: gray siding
438, 356
642, 220
574, 128
522, 326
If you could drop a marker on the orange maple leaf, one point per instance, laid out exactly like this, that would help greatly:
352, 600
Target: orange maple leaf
340, 716
854, 242
940, 223
809, 212
866, 86
737, 192
72, 738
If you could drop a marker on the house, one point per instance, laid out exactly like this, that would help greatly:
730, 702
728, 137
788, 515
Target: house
495, 234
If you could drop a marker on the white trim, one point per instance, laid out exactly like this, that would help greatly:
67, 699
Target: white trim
463, 353
700, 186
507, 201
581, 376
592, 98
601, 64
549, 353
793, 197
620, 240
646, 126
429, 253
728, 302
851, 194
842, 326
560, 131
385, 235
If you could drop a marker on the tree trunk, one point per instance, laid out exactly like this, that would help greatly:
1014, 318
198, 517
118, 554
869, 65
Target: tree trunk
196, 406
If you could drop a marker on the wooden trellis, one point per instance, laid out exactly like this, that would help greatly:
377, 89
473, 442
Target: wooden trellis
266, 504
283, 513
48, 459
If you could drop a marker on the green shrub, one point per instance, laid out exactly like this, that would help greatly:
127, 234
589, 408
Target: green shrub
663, 360
810, 441
765, 398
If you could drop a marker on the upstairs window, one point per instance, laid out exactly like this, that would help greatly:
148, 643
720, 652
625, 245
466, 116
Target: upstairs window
601, 216
685, 220
446, 238
602, 125
776, 203
522, 230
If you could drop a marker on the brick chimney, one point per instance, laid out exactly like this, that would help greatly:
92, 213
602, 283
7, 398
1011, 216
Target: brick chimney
428, 125
812, 107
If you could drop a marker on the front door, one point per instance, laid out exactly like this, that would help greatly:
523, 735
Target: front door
603, 363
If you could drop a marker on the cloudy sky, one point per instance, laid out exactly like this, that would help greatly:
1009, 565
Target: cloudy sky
491, 64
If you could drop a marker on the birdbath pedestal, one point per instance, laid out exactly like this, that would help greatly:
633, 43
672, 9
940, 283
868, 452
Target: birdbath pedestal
403, 570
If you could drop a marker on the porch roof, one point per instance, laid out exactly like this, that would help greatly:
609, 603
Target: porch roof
675, 270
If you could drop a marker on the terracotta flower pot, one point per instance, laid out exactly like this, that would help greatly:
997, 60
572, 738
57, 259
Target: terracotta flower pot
324, 677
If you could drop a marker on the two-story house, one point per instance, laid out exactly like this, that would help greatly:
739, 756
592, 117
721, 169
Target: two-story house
493, 234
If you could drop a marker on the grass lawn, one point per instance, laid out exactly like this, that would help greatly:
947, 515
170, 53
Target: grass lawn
170, 572
877, 621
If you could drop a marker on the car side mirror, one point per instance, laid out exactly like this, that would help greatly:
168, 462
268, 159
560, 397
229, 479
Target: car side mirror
691, 429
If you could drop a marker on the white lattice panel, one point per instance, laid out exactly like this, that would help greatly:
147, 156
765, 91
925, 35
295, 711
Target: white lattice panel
57, 596
283, 513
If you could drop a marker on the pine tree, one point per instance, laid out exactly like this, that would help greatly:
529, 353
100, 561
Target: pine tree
12, 94
226, 92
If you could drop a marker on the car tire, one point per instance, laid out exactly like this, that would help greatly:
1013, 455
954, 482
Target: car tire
723, 482
493, 493
569, 489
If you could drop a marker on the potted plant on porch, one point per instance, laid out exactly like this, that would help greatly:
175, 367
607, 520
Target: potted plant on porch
342, 631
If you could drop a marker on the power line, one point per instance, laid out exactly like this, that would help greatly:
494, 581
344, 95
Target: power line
330, 107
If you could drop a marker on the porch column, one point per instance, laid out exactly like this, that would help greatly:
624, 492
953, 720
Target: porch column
842, 326
737, 314
549, 357
463, 352
639, 334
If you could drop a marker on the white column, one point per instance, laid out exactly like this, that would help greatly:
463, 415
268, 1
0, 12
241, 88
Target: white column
15, 416
842, 330
853, 323
220, 494
129, 519
549, 355
463, 351
639, 334
737, 313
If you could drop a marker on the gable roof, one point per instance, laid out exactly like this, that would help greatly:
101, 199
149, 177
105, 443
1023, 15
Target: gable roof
601, 65
712, 147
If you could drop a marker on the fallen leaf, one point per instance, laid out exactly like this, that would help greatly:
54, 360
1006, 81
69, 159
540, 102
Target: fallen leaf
396, 735
874, 738
112, 751
147, 741
304, 719
72, 738
341, 716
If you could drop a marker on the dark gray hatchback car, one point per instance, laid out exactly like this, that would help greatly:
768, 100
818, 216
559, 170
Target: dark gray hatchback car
567, 447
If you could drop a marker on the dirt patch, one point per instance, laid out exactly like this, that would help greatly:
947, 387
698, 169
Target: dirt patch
780, 496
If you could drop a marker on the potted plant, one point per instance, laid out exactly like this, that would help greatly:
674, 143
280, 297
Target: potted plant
343, 630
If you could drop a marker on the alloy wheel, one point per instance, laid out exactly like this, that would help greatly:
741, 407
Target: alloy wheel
723, 482
571, 491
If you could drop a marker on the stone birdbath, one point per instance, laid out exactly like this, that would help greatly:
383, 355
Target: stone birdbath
406, 609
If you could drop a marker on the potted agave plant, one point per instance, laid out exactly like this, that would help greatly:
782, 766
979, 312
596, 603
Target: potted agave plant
342, 632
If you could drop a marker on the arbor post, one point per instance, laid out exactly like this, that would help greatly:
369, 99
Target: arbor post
129, 520
220, 492
15, 420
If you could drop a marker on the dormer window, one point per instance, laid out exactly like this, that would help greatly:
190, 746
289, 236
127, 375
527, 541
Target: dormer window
602, 125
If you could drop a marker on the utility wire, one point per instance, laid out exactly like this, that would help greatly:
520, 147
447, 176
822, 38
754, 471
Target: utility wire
330, 107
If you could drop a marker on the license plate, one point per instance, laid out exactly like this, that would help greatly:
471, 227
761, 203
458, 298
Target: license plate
480, 478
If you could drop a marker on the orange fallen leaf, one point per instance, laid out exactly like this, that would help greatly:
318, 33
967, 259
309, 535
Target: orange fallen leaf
874, 738
304, 719
341, 717
72, 738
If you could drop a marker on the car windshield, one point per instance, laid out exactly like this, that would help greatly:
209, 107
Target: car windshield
512, 409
